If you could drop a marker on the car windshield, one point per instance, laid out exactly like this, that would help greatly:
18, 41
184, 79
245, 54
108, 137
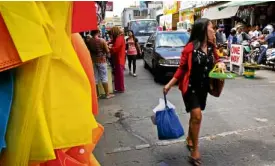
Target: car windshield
172, 40
143, 27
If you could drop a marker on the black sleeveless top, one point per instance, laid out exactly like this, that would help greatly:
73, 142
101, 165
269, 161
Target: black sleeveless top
202, 64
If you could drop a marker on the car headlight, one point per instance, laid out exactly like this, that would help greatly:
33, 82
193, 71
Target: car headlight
169, 61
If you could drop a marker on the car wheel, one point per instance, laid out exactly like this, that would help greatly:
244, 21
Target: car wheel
142, 54
156, 73
145, 65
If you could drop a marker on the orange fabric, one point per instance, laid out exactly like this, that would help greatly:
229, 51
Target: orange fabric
63, 160
85, 60
93, 161
81, 11
9, 55
76, 156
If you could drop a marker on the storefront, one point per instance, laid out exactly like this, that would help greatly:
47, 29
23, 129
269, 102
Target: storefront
186, 19
198, 12
258, 14
252, 12
166, 21
224, 16
170, 16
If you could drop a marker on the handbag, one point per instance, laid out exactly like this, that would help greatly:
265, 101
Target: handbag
216, 84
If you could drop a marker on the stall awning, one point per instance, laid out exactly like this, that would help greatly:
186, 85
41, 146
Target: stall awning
239, 3
214, 13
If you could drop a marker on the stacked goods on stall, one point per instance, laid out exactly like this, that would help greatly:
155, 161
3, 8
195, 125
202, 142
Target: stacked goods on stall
47, 85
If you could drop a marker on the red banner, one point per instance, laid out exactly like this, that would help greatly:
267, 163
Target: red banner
84, 16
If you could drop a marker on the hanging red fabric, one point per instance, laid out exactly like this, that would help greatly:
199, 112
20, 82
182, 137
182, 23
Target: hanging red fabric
84, 16
8, 52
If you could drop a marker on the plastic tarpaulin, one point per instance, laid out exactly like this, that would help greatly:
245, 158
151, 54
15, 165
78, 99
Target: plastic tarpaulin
239, 3
214, 13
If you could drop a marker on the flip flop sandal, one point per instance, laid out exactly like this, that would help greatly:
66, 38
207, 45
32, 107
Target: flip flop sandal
195, 162
189, 147
110, 96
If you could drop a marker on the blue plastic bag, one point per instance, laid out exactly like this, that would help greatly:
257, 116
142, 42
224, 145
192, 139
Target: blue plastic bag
168, 124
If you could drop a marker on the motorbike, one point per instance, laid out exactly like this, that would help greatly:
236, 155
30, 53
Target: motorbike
255, 51
270, 57
252, 51
246, 51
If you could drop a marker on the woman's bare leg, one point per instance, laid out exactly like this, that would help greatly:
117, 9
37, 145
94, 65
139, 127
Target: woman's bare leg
196, 118
189, 137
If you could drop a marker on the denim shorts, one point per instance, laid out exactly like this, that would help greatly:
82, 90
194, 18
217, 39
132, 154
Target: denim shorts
101, 72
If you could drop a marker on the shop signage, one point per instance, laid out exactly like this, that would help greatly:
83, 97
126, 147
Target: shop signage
187, 15
236, 58
170, 7
166, 21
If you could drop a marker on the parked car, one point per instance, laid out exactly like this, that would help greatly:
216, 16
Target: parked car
162, 52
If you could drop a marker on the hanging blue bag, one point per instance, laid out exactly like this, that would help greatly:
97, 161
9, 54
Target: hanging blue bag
168, 123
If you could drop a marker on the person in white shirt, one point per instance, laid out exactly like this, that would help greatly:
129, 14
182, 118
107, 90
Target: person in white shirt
251, 32
257, 32
241, 35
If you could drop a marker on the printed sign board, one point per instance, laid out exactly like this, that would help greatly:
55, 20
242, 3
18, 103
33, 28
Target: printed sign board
236, 58
170, 7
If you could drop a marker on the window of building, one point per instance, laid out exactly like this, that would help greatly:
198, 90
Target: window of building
144, 13
136, 13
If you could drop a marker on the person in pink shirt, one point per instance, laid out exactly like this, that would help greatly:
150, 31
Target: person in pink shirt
133, 49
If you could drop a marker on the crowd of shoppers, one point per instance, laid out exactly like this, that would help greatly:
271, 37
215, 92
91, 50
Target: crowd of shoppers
111, 47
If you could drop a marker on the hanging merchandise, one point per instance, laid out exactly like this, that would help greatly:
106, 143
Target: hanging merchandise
80, 15
6, 95
52, 113
30, 40
9, 55
86, 61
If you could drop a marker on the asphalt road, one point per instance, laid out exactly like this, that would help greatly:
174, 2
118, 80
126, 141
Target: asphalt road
238, 128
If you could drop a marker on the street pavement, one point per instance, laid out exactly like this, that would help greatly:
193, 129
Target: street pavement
238, 127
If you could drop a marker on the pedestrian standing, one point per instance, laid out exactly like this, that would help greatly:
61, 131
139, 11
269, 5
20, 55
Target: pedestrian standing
118, 52
103, 31
133, 49
232, 39
257, 31
220, 35
99, 50
197, 60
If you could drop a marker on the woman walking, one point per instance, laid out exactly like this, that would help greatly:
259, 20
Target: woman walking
99, 51
197, 60
133, 49
118, 52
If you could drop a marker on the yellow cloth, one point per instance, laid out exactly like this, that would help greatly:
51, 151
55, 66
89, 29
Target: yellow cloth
24, 23
67, 90
52, 103
220, 53
29, 86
